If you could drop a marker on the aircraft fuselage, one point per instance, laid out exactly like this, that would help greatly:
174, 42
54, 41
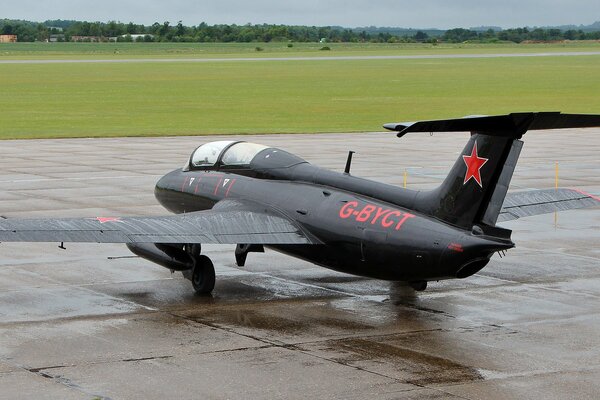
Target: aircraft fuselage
366, 227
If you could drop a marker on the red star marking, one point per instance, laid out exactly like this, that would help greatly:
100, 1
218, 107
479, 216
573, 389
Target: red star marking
108, 219
474, 164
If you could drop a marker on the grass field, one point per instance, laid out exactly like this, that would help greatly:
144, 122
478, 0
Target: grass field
273, 49
173, 98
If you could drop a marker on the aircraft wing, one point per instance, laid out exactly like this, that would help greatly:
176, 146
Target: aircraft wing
228, 222
534, 202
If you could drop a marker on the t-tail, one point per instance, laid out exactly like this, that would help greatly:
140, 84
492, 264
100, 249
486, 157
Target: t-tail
474, 191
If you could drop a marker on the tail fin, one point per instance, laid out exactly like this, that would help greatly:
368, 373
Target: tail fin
475, 188
464, 196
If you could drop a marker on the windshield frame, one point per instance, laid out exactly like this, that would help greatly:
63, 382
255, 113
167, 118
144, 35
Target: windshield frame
217, 163
238, 149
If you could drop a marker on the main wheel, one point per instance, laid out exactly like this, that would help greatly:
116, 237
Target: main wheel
203, 275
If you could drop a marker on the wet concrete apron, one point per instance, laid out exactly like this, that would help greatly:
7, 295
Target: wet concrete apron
92, 321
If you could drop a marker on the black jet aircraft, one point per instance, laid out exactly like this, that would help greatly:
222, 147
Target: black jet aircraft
254, 196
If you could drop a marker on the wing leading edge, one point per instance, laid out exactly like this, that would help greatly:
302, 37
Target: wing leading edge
232, 223
534, 202
220, 225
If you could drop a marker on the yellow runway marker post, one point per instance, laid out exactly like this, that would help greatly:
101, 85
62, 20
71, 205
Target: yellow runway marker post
555, 187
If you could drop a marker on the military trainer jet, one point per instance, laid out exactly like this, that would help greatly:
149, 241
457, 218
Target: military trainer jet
253, 196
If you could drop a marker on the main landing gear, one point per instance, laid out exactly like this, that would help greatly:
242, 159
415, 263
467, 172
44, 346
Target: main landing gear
202, 274
418, 286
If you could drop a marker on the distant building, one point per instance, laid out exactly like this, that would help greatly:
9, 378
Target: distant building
135, 37
56, 38
86, 38
8, 38
140, 36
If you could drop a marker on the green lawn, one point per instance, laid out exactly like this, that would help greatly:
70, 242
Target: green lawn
273, 49
78, 100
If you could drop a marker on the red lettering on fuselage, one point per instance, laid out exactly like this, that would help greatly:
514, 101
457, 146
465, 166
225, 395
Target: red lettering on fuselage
380, 211
347, 209
386, 222
365, 213
403, 220
386, 217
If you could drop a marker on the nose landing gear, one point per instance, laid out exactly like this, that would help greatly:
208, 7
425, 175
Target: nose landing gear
419, 286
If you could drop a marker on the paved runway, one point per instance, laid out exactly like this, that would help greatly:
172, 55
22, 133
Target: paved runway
325, 58
93, 322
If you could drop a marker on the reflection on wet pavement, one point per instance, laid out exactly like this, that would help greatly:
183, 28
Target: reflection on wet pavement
87, 323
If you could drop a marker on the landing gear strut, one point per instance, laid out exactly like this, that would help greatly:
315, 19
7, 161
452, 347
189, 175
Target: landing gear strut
419, 286
202, 274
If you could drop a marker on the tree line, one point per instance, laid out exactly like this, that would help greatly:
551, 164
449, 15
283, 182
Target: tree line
518, 35
28, 31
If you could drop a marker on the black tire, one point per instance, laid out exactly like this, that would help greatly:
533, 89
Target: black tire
203, 275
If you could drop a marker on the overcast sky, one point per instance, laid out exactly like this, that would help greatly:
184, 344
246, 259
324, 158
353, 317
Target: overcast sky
349, 13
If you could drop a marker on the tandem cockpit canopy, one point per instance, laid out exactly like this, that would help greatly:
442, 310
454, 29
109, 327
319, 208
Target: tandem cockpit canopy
238, 154
225, 152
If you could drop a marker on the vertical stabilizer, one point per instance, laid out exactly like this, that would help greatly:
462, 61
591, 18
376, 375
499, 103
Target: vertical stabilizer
474, 190
463, 197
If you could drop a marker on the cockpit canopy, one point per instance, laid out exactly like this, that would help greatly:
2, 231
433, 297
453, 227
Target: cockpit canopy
226, 152
208, 154
238, 154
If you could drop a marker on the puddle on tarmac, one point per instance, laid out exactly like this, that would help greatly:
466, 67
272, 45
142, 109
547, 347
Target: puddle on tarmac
303, 319
413, 367
336, 279
346, 329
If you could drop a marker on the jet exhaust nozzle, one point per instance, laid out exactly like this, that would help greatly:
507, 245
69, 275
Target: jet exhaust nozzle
471, 268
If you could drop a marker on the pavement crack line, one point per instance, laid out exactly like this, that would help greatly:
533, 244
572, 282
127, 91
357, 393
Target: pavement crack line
39, 369
291, 347
356, 367
146, 358
226, 329
60, 380
377, 336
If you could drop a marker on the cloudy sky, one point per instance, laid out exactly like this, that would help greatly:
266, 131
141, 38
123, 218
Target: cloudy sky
350, 13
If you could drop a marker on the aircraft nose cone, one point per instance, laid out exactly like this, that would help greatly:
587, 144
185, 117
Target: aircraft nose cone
165, 186
163, 182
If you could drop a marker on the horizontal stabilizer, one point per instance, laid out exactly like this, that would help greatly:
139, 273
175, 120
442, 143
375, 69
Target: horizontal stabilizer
534, 202
510, 125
